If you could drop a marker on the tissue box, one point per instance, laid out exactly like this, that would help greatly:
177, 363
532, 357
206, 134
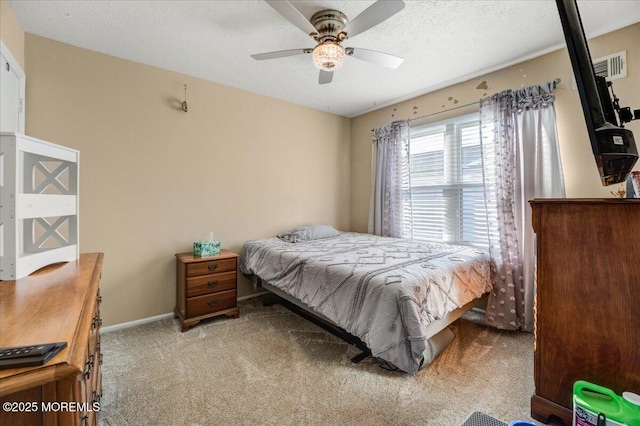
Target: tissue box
202, 249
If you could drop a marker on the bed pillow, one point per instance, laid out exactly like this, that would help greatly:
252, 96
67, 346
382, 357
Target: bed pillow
309, 233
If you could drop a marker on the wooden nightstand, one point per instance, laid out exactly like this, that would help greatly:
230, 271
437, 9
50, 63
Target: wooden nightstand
206, 287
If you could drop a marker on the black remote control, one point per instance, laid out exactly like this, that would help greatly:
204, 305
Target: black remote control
25, 351
24, 356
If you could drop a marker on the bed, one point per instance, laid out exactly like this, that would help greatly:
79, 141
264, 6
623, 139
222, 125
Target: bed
397, 296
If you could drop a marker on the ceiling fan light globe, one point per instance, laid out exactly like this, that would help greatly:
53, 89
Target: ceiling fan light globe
328, 56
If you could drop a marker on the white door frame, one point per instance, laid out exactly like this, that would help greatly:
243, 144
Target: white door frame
19, 72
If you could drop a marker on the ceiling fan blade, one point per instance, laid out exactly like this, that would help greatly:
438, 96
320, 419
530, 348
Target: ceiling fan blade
280, 54
293, 15
325, 77
372, 16
375, 57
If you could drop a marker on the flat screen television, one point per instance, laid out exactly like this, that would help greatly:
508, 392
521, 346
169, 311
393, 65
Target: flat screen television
613, 146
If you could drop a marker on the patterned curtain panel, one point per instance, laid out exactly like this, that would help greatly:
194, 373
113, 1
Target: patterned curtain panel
390, 195
521, 162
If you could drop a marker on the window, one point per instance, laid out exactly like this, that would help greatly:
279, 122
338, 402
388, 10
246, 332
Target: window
447, 194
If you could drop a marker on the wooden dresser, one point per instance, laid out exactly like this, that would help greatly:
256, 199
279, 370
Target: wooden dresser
587, 300
206, 287
59, 303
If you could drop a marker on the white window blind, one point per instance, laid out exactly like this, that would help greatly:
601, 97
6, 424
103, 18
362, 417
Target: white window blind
447, 193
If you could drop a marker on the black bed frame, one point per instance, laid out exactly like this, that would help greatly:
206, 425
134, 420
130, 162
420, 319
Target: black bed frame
273, 299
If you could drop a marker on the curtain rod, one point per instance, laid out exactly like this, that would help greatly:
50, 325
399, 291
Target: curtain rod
555, 82
443, 111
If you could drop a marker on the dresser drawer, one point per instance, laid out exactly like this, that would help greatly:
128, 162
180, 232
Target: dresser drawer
209, 303
211, 283
211, 267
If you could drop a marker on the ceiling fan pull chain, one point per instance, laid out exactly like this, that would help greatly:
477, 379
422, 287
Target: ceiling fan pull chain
184, 104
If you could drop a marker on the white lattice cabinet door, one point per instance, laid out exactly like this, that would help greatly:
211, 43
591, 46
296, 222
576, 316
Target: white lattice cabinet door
38, 204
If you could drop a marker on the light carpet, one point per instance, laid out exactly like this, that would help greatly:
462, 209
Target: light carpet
271, 367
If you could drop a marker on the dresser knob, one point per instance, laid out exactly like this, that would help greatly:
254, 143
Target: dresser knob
213, 283
213, 266
212, 302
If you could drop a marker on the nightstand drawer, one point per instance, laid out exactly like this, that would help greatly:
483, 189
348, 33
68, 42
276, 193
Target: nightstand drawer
212, 266
209, 303
211, 283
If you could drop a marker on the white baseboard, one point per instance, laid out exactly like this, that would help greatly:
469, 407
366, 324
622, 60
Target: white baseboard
251, 296
130, 324
136, 322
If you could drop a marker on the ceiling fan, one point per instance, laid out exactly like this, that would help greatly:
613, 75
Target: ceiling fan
329, 28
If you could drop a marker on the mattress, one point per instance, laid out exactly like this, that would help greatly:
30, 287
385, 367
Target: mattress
385, 291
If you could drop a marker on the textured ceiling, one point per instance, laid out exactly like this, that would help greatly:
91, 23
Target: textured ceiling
442, 42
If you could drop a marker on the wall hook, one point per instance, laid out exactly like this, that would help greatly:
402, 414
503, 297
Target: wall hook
184, 104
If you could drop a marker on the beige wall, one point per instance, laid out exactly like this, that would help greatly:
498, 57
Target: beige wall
154, 178
581, 175
11, 32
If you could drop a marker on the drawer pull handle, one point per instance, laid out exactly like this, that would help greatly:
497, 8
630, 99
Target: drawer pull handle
96, 322
89, 366
212, 284
212, 302
213, 266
